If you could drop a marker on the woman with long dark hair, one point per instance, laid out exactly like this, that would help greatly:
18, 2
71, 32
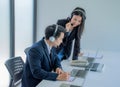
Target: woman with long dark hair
74, 26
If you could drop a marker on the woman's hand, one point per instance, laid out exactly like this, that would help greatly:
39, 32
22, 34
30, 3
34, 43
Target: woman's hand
69, 26
80, 54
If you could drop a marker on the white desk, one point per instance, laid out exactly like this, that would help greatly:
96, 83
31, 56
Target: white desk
108, 78
68, 68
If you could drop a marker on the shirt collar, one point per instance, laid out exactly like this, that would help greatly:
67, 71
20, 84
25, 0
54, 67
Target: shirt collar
48, 46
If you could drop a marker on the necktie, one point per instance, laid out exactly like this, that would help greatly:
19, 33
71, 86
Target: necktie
50, 57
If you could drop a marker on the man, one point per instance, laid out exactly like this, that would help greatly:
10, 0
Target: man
42, 62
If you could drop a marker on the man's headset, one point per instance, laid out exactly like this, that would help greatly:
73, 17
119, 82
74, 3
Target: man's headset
52, 38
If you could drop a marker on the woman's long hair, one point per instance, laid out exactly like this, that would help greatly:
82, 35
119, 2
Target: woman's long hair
80, 12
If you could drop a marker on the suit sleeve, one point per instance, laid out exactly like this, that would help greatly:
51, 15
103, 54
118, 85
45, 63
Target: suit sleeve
67, 48
35, 61
57, 63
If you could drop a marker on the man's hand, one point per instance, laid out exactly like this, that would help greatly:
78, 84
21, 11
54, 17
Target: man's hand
59, 71
64, 76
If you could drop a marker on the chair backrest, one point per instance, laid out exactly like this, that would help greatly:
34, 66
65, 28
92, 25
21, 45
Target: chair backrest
26, 50
15, 67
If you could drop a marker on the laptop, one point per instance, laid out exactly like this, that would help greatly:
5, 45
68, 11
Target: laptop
78, 73
94, 67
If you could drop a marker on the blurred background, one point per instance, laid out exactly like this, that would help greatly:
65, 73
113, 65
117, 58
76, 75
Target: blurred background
22, 23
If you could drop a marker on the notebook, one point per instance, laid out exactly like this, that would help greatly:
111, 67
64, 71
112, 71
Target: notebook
79, 63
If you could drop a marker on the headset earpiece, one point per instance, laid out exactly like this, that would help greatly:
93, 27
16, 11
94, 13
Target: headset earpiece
52, 38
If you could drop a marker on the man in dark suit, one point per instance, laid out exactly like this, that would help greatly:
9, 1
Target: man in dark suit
42, 62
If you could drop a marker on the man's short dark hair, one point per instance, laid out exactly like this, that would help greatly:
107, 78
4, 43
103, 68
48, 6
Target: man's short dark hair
50, 31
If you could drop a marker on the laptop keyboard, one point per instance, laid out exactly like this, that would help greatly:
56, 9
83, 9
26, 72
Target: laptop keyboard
78, 73
93, 66
68, 85
90, 59
74, 86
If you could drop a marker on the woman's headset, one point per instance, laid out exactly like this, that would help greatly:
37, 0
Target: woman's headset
52, 38
79, 11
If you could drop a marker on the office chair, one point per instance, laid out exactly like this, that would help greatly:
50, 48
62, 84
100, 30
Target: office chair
15, 66
26, 50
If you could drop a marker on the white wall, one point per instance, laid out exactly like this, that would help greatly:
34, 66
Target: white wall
23, 26
4, 41
4, 29
23, 33
102, 29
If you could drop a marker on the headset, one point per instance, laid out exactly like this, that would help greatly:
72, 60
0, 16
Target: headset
79, 10
52, 38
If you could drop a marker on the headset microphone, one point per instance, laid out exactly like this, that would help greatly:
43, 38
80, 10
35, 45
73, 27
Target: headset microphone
71, 24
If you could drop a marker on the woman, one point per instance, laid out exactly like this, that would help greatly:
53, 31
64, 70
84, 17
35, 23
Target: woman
74, 26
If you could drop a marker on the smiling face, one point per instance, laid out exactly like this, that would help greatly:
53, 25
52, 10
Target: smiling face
58, 40
76, 20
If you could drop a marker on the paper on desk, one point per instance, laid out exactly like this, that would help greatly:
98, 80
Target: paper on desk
71, 79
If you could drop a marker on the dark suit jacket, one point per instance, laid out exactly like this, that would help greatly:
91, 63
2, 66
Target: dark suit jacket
68, 40
38, 65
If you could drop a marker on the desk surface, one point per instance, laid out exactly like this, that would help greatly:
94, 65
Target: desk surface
109, 77
67, 68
